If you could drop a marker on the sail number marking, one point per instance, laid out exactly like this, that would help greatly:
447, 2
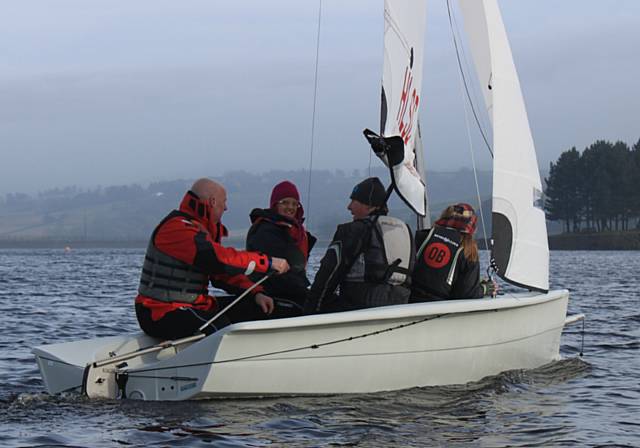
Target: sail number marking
409, 101
437, 255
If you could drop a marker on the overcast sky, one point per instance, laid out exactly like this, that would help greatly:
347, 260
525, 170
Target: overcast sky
103, 92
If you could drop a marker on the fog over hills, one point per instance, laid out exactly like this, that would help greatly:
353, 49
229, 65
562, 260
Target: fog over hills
128, 213
114, 92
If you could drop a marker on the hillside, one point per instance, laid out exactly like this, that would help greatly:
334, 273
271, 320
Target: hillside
126, 214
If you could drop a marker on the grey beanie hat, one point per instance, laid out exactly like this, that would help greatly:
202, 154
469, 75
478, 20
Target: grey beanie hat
370, 192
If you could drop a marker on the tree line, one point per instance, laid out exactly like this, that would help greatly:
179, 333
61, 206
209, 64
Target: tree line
596, 190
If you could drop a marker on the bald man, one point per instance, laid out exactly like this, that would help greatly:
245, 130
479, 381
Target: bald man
185, 254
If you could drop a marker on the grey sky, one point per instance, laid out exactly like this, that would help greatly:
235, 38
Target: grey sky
119, 91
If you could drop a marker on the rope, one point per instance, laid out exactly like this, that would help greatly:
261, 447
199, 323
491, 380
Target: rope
475, 176
464, 79
291, 350
313, 115
463, 88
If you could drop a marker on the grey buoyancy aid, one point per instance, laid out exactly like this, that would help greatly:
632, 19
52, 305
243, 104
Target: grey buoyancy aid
387, 256
168, 279
436, 260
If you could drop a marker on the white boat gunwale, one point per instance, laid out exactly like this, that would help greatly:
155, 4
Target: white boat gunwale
409, 310
414, 312
386, 313
367, 316
227, 347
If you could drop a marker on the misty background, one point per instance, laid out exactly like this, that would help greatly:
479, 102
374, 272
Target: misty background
107, 98
126, 214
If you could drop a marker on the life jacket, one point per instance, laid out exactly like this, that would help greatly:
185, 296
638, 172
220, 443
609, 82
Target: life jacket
387, 256
436, 260
168, 279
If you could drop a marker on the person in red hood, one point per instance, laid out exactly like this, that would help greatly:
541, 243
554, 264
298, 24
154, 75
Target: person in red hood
279, 231
185, 254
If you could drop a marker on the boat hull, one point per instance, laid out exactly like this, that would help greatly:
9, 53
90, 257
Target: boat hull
378, 349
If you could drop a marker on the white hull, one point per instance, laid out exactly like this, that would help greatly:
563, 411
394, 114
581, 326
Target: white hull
461, 341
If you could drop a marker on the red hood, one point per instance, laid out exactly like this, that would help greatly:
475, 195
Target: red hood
199, 210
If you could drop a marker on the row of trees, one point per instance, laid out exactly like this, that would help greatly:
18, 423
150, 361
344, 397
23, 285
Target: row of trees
597, 190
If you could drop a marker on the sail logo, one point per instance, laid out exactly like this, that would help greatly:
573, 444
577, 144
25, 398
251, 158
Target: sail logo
408, 108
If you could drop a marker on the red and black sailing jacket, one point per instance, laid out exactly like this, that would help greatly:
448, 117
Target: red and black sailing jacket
282, 237
279, 236
441, 270
184, 254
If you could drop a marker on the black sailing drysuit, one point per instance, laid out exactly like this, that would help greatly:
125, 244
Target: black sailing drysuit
370, 261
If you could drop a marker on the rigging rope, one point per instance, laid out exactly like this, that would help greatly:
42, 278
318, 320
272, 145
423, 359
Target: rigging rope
134, 373
475, 177
464, 88
464, 80
313, 114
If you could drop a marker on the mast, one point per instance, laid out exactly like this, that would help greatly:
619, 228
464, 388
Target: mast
423, 222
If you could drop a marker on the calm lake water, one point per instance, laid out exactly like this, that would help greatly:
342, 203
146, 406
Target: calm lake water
49, 296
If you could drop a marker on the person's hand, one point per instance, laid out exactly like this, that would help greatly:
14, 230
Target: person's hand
489, 287
265, 303
280, 265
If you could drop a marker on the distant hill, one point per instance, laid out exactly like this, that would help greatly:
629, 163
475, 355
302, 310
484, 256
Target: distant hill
127, 214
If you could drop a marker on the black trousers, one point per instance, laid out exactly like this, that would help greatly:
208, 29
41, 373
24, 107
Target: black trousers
179, 323
184, 322
246, 309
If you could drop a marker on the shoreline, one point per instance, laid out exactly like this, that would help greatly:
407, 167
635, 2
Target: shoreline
629, 240
72, 244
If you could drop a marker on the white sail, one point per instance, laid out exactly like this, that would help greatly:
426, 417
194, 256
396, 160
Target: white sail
404, 24
520, 246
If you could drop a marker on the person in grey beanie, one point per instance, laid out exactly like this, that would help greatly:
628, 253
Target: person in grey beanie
370, 259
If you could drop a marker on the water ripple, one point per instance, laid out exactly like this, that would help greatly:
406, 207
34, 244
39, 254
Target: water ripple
50, 296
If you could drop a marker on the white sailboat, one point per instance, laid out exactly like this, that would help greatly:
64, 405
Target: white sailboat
378, 349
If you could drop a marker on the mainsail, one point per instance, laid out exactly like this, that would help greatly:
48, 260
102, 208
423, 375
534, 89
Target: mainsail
404, 24
520, 248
